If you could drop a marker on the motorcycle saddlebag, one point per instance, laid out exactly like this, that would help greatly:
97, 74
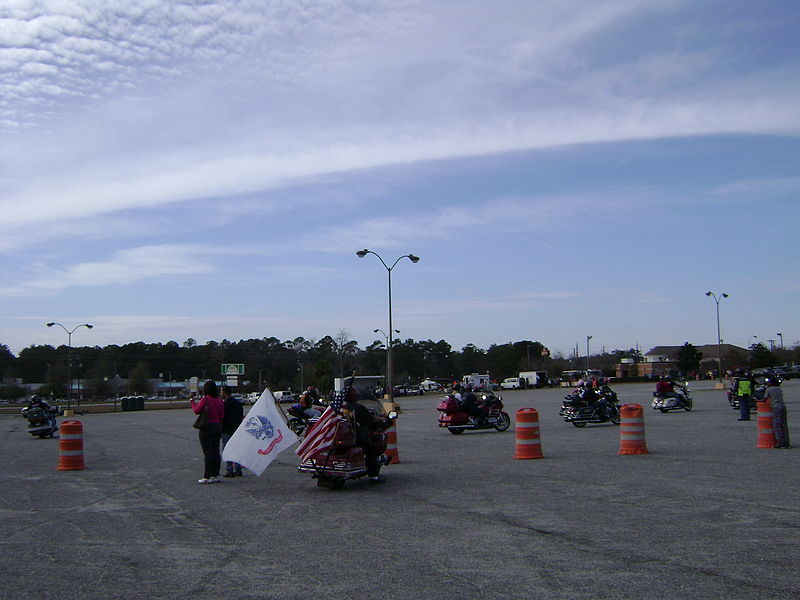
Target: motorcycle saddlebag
458, 418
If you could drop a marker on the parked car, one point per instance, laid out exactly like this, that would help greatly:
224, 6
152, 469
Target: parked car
284, 396
511, 383
408, 389
791, 372
430, 386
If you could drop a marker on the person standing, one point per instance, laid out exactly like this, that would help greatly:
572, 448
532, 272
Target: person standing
211, 434
234, 415
743, 389
774, 394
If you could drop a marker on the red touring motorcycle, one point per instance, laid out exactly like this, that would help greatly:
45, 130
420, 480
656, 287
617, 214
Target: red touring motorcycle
457, 420
331, 451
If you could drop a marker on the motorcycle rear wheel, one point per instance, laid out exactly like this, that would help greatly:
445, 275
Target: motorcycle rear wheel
664, 410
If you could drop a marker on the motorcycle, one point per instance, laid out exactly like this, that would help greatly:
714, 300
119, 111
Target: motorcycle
577, 411
344, 458
681, 401
457, 420
41, 420
298, 421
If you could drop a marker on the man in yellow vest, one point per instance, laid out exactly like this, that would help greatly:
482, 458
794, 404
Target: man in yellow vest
743, 389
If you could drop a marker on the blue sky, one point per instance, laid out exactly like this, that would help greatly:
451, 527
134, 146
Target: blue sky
563, 168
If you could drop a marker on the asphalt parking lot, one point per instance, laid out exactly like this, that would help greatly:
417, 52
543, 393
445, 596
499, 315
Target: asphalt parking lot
706, 514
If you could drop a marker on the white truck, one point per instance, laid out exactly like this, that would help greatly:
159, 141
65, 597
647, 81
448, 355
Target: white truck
477, 381
533, 379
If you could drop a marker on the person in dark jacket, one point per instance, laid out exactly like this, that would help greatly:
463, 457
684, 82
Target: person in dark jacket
234, 415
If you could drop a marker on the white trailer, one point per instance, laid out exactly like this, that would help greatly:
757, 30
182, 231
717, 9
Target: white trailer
533, 379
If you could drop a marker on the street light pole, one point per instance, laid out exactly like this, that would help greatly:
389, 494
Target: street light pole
588, 337
386, 337
717, 300
413, 259
69, 357
780, 335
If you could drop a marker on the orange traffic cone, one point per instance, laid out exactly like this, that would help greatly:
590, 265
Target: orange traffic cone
70, 456
528, 444
631, 433
391, 443
766, 435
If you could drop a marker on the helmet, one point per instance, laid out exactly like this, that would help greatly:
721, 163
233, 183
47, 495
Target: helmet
313, 392
457, 387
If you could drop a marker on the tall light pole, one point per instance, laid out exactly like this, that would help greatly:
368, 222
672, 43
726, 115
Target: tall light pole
588, 337
386, 337
413, 259
69, 352
717, 300
780, 335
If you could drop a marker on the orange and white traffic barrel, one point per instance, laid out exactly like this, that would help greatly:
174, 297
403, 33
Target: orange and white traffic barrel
528, 443
766, 435
631, 432
70, 456
391, 443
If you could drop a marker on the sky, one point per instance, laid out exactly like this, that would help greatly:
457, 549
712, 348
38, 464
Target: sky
563, 169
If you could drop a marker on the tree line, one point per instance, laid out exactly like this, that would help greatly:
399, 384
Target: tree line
292, 364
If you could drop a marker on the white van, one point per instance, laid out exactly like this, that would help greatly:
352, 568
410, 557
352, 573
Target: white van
511, 383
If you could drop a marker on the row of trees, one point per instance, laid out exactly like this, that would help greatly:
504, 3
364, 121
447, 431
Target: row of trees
300, 362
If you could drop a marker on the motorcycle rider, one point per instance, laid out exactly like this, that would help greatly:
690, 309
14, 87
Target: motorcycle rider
605, 393
666, 389
367, 422
306, 401
469, 402
37, 402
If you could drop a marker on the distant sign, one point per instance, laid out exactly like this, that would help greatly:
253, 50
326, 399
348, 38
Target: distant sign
233, 369
232, 381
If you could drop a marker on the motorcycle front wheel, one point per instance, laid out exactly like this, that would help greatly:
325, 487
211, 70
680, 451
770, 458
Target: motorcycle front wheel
579, 423
503, 422
687, 406
664, 410
455, 430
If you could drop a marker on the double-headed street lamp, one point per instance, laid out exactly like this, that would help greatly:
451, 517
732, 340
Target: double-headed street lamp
69, 352
413, 259
780, 335
717, 300
385, 335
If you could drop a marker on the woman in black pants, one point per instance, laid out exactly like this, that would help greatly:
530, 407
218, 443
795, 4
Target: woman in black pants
211, 434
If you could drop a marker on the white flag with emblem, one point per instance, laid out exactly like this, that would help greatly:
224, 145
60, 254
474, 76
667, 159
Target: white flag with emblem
261, 437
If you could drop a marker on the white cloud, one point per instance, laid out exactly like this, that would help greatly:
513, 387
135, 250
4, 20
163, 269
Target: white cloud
124, 267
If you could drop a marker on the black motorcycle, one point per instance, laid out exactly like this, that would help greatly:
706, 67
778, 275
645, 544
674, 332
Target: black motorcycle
577, 411
298, 421
41, 419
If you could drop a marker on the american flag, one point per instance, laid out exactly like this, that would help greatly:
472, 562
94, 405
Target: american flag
320, 436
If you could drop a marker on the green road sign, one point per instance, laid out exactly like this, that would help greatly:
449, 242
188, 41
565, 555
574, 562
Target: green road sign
233, 369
